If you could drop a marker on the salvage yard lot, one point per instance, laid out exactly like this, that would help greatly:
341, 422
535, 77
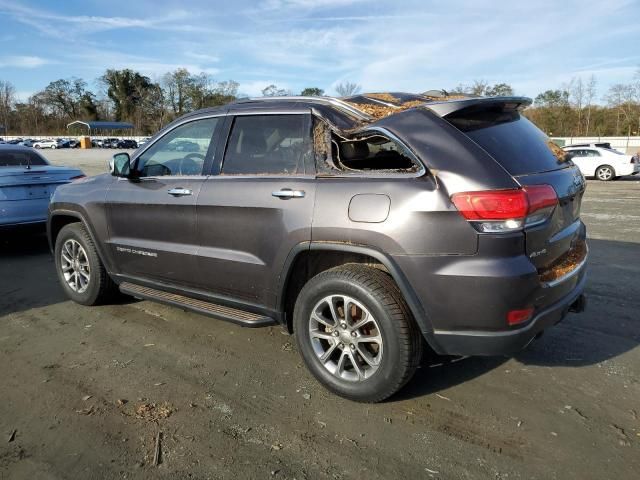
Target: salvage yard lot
85, 391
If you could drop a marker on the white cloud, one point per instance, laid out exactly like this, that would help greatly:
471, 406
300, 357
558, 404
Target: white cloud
23, 61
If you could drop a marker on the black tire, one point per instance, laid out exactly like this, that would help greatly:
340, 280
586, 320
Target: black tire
401, 337
100, 288
605, 173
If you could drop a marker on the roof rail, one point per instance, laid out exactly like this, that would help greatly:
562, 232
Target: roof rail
334, 102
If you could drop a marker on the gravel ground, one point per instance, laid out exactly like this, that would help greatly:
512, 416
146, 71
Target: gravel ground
86, 391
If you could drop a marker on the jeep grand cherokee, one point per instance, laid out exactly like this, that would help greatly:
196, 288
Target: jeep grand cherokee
371, 227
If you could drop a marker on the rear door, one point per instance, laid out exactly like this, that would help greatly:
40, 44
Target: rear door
258, 208
532, 159
152, 219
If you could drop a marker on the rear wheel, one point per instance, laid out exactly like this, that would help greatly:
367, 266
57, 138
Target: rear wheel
605, 173
80, 271
356, 333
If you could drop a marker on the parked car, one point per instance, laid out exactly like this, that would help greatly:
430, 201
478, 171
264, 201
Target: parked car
603, 163
597, 144
366, 230
183, 146
131, 144
46, 144
142, 141
27, 181
26, 142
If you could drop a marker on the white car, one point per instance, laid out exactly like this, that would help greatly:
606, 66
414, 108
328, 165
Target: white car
46, 144
603, 163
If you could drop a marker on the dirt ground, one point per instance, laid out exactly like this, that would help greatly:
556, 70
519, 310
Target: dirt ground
84, 392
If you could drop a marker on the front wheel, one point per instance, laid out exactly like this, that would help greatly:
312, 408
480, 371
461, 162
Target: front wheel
605, 173
356, 333
80, 271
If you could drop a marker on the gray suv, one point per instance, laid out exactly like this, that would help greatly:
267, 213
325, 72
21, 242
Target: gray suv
372, 227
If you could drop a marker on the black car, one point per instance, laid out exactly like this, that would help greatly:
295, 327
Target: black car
131, 144
368, 226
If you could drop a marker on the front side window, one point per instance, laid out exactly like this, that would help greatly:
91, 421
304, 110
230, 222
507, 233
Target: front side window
182, 151
268, 145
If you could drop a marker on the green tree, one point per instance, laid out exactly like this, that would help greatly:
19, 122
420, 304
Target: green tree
499, 90
126, 89
312, 92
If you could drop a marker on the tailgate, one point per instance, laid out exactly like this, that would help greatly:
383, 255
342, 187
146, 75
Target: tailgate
525, 152
547, 243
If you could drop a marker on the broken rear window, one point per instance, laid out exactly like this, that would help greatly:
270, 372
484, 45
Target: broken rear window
365, 152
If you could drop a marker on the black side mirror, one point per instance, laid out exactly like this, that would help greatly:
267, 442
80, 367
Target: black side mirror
120, 165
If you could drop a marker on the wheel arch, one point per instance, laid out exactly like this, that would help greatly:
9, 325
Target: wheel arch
299, 268
58, 219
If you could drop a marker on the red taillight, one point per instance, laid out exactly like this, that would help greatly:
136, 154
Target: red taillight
492, 204
541, 196
514, 317
506, 210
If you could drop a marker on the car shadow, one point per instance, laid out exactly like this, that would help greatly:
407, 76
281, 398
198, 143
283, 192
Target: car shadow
28, 277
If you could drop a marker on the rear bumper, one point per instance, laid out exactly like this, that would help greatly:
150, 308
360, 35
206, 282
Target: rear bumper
487, 343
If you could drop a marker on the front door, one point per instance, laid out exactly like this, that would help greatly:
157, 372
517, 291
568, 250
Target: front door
258, 208
152, 218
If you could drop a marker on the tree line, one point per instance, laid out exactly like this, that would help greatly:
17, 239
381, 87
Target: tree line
574, 109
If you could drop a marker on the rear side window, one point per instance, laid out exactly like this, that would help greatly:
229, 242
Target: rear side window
20, 159
268, 145
516, 143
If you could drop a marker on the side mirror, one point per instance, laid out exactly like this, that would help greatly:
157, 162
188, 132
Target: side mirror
120, 165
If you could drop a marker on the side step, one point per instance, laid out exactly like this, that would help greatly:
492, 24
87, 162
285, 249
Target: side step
234, 315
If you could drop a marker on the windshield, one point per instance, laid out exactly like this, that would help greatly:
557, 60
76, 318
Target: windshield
20, 159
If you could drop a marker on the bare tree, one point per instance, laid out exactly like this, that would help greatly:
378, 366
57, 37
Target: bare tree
577, 94
347, 88
7, 101
590, 94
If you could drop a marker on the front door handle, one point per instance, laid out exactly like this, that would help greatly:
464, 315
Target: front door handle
180, 192
287, 193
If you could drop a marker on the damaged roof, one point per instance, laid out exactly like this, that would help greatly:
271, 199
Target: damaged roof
356, 110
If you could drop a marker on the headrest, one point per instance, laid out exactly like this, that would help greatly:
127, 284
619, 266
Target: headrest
354, 150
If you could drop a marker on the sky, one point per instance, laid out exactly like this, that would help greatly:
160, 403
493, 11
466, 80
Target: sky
385, 45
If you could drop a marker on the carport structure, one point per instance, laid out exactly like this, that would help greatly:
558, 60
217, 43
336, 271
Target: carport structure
96, 126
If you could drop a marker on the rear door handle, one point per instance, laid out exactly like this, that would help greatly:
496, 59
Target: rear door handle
179, 192
286, 193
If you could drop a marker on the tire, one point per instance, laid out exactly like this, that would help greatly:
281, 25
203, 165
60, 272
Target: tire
605, 173
53, 147
391, 362
92, 286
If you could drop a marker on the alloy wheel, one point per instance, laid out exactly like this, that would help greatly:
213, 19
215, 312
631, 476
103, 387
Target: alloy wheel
345, 338
75, 266
605, 173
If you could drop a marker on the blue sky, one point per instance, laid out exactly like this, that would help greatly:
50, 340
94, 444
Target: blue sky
383, 45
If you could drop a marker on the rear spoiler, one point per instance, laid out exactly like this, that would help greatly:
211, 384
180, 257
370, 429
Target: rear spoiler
447, 107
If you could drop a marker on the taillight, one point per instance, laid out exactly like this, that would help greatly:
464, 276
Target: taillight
495, 211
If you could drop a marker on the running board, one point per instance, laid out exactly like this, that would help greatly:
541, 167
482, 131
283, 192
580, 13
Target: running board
234, 315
